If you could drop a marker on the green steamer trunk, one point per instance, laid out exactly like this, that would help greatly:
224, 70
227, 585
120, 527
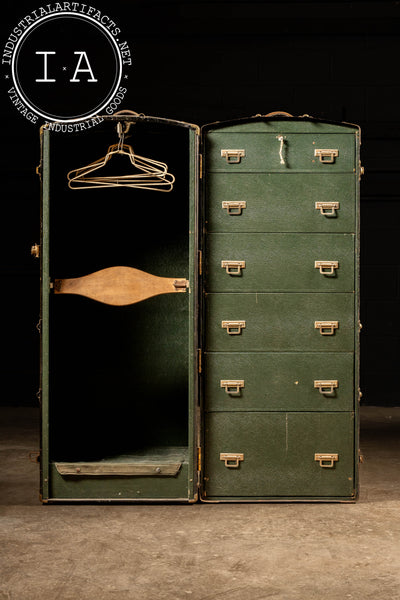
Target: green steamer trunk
201, 344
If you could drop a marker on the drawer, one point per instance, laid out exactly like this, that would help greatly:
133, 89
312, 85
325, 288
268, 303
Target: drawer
279, 322
276, 455
280, 152
239, 202
276, 381
262, 262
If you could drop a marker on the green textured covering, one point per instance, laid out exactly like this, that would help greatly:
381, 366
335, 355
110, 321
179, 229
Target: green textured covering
280, 262
279, 381
280, 322
259, 394
262, 152
279, 454
275, 203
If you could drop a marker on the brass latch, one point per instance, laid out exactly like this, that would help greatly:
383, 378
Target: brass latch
233, 156
328, 209
326, 327
231, 459
232, 386
234, 207
326, 387
233, 327
326, 155
326, 461
35, 250
181, 285
34, 456
326, 267
233, 267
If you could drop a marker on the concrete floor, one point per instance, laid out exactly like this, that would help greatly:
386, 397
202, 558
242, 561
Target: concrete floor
201, 552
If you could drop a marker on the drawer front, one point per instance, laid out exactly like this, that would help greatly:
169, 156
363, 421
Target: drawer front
279, 322
276, 455
249, 262
282, 152
267, 381
239, 202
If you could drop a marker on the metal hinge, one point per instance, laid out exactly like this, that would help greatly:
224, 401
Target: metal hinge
198, 467
200, 262
199, 360
39, 395
35, 250
200, 166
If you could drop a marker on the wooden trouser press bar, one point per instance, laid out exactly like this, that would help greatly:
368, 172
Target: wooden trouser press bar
120, 286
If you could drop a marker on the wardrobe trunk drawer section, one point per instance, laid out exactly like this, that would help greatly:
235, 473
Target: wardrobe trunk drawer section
274, 455
280, 310
280, 322
268, 381
280, 152
263, 262
253, 202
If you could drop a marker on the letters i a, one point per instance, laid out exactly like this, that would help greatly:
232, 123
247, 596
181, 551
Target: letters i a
82, 56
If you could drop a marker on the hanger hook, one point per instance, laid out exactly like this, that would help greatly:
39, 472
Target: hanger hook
121, 135
120, 127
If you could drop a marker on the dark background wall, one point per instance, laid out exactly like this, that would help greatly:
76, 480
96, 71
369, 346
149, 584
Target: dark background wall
206, 61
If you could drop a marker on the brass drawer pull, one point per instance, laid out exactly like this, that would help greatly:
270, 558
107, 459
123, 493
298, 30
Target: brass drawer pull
233, 156
328, 209
233, 327
326, 327
326, 387
232, 386
231, 459
326, 267
326, 155
233, 267
327, 461
234, 207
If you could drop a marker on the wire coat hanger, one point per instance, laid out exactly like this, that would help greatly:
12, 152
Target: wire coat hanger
152, 175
